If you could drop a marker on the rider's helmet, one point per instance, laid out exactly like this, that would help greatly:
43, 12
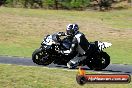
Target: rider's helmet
72, 29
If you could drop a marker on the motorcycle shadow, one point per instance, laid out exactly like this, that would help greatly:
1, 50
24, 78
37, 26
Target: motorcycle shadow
110, 69
116, 70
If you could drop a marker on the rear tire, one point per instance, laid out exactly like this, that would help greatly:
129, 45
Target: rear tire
99, 62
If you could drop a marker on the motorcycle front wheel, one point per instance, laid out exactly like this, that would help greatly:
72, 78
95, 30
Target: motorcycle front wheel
41, 58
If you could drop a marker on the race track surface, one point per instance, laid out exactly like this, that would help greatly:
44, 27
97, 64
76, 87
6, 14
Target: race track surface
112, 68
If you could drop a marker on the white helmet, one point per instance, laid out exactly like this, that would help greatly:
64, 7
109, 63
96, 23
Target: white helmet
72, 29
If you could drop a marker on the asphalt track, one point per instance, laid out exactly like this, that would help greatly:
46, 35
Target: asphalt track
112, 68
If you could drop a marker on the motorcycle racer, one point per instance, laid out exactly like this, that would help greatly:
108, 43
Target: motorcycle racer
79, 44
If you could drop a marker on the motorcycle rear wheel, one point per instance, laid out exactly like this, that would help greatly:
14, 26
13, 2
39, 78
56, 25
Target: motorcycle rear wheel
99, 63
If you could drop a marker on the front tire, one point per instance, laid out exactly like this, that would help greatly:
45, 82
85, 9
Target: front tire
41, 58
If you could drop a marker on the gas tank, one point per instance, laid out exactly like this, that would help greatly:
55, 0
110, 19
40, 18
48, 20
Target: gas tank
67, 42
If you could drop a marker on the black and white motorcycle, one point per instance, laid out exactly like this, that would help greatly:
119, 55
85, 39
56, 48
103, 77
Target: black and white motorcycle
51, 46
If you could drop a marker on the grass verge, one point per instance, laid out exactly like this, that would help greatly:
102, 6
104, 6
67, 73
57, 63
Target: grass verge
13, 76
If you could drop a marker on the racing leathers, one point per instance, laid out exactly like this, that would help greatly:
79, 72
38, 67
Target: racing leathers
79, 44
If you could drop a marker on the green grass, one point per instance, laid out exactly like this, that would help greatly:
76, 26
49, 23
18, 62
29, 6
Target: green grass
12, 76
22, 30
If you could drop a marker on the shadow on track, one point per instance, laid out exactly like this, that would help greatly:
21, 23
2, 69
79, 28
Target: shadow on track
112, 68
